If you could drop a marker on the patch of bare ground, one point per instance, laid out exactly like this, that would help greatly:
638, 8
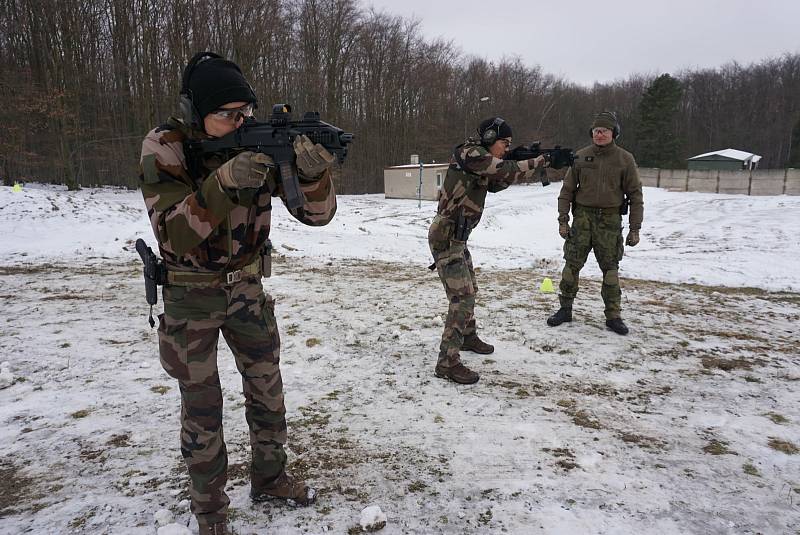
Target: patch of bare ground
18, 492
565, 458
783, 446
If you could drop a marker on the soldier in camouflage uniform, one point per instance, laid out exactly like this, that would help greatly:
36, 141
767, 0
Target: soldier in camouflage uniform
211, 219
476, 167
595, 188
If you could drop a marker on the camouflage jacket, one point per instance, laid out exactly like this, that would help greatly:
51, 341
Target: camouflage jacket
201, 226
599, 178
463, 193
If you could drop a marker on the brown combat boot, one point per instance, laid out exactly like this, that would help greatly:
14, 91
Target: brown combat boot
220, 528
285, 488
476, 345
458, 374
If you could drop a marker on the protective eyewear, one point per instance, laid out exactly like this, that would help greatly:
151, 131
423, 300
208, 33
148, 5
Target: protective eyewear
600, 130
234, 114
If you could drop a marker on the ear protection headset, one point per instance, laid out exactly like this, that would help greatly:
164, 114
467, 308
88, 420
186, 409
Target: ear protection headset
489, 135
186, 108
616, 131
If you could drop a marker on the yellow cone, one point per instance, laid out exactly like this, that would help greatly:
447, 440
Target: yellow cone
547, 286
17, 187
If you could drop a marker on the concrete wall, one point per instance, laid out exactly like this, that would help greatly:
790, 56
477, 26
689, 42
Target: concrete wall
649, 176
672, 179
736, 182
768, 181
702, 180
403, 183
793, 182
756, 182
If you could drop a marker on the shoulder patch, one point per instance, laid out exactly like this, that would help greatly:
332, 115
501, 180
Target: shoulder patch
149, 169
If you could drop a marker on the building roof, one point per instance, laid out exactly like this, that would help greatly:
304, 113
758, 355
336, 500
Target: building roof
732, 154
416, 165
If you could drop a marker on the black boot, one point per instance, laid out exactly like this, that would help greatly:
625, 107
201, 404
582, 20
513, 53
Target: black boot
562, 315
617, 325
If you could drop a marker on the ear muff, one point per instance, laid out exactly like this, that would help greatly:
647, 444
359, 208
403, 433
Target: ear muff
616, 131
186, 108
489, 135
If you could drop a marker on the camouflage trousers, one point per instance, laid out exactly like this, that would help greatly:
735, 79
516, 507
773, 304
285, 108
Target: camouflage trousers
454, 265
188, 333
598, 229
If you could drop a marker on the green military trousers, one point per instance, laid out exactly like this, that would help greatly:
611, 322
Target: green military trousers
188, 333
598, 229
454, 266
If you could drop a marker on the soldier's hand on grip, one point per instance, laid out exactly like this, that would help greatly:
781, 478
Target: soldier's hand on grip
633, 238
245, 170
563, 229
539, 161
312, 160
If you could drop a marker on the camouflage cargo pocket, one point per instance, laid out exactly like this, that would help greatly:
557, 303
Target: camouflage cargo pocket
268, 315
439, 235
455, 276
570, 251
620, 247
173, 346
173, 293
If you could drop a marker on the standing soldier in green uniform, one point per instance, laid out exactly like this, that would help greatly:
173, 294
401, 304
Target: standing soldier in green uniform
212, 220
476, 167
599, 188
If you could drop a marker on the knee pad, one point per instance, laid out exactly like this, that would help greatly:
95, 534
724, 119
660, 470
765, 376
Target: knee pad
611, 277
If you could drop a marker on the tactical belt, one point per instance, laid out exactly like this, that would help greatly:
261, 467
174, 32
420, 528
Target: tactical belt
597, 210
192, 278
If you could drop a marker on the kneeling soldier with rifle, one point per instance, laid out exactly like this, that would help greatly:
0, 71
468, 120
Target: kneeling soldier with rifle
476, 167
211, 216
598, 188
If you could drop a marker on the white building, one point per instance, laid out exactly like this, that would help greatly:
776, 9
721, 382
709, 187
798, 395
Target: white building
413, 181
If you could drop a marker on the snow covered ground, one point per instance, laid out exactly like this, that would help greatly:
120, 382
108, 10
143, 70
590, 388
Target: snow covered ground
690, 424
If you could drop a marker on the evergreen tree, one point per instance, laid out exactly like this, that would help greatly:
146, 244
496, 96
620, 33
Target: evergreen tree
794, 149
658, 143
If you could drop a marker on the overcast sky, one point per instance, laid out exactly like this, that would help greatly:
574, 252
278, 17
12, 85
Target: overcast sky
588, 41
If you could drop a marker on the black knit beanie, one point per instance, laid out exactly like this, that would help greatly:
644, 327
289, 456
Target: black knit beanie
503, 129
215, 82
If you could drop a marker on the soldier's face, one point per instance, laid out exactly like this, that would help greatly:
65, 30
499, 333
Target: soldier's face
499, 148
220, 125
602, 136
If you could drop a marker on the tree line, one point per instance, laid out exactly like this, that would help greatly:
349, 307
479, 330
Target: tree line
82, 81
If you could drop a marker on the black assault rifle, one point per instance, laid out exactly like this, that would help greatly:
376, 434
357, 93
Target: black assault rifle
557, 157
274, 138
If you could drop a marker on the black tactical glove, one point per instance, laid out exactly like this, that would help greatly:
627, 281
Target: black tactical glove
245, 170
563, 229
633, 238
312, 160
